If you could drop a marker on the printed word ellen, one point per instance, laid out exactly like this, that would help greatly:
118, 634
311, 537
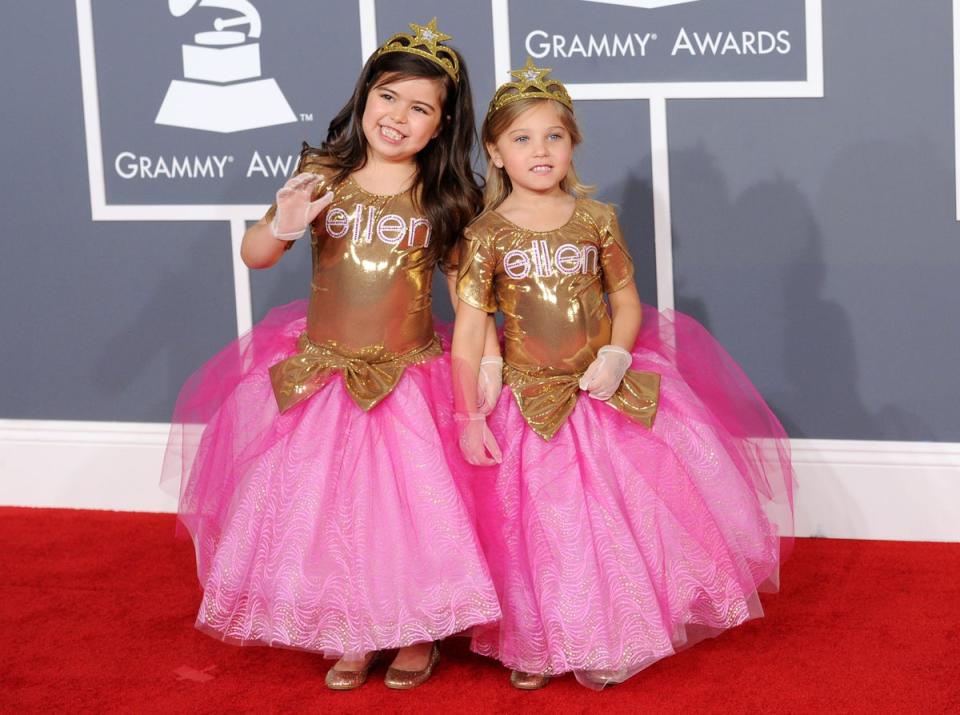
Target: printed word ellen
362, 224
567, 259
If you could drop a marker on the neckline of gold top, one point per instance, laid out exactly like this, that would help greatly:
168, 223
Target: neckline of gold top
573, 215
530, 82
425, 42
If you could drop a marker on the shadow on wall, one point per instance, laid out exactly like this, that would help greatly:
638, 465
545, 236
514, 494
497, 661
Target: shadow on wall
633, 199
895, 221
757, 283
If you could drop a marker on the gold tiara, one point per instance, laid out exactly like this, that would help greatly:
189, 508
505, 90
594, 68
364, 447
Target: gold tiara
531, 83
425, 43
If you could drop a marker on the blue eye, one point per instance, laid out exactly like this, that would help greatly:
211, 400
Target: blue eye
520, 138
555, 137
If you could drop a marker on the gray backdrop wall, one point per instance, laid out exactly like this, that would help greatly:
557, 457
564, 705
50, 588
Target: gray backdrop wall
816, 237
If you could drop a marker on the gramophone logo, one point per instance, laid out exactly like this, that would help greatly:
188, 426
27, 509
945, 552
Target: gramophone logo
222, 90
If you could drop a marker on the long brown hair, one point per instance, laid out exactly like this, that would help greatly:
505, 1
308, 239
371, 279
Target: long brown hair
446, 187
498, 186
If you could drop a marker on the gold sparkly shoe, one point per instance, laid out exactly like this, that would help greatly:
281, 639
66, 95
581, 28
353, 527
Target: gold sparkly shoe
350, 679
528, 681
405, 679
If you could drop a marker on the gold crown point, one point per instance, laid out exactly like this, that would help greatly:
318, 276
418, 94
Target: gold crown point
428, 34
530, 74
425, 42
530, 82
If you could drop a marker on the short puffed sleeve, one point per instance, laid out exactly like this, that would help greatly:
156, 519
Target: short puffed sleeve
615, 261
476, 265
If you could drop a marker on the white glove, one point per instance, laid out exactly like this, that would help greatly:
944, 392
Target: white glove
295, 210
489, 384
476, 440
604, 375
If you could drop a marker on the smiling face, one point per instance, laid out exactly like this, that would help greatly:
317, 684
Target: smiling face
535, 149
401, 116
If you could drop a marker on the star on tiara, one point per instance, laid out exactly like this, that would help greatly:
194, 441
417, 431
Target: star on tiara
531, 82
425, 43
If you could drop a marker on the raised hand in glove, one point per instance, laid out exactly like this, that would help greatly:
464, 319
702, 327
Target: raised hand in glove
295, 210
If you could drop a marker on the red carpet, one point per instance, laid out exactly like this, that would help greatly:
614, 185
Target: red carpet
97, 614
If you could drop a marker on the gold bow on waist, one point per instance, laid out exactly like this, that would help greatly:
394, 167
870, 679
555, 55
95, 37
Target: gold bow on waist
368, 381
546, 401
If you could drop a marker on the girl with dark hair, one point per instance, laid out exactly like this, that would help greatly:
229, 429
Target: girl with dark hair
315, 450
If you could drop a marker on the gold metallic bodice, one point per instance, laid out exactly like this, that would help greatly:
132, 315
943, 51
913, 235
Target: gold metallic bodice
370, 300
371, 274
550, 287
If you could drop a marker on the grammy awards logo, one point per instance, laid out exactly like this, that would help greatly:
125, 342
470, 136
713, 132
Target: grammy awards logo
222, 90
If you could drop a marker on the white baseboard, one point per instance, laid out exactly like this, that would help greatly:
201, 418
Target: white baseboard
83, 465
907, 491
847, 489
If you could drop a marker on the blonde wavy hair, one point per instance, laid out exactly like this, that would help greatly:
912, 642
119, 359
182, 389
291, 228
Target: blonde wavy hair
498, 186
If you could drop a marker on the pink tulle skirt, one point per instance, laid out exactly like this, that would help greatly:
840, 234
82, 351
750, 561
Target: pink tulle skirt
613, 545
325, 528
